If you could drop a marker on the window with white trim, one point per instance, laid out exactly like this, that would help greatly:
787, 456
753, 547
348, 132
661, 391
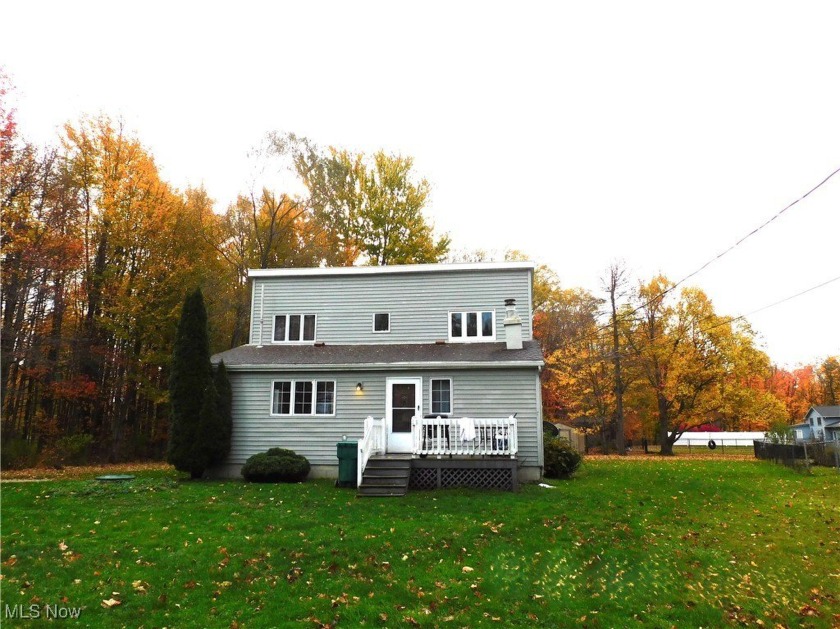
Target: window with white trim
440, 396
382, 322
294, 328
472, 325
303, 397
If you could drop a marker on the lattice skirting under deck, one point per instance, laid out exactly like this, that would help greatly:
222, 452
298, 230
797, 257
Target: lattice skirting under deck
478, 474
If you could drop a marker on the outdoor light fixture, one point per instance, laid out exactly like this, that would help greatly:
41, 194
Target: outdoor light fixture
359, 387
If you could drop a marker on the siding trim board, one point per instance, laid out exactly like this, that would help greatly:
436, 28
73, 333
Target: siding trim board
385, 270
387, 366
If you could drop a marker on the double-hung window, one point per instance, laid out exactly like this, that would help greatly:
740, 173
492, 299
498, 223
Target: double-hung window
472, 325
441, 396
294, 328
303, 397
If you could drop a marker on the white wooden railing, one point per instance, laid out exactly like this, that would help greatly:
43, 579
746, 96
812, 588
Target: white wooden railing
441, 436
373, 442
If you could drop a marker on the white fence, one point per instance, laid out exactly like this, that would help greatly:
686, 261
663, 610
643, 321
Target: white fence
439, 436
720, 438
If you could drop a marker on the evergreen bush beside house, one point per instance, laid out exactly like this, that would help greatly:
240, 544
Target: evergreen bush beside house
277, 465
561, 460
199, 435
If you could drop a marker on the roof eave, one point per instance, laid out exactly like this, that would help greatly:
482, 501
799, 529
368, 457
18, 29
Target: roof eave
382, 270
496, 364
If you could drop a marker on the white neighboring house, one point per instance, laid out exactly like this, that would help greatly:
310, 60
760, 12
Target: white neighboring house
822, 423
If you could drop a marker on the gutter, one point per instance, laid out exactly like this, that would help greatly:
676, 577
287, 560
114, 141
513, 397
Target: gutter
537, 364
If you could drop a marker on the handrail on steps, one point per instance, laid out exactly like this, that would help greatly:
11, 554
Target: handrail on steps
373, 442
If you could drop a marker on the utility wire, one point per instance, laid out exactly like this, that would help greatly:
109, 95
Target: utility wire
775, 303
627, 315
724, 252
727, 320
755, 231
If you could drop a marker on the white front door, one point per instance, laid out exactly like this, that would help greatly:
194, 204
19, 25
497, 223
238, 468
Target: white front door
402, 402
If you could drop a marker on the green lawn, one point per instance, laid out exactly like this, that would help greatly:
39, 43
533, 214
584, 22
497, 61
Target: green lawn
653, 542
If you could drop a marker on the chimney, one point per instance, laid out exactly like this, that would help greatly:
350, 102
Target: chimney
513, 325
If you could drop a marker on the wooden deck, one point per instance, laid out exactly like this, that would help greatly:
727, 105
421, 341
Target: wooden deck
394, 475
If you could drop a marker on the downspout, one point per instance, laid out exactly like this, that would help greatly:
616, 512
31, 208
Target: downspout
541, 456
262, 296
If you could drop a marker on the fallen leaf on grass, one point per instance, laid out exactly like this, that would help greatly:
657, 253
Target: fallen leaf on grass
110, 602
467, 569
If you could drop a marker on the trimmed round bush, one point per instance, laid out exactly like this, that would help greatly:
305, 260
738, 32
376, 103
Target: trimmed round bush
561, 460
281, 452
278, 465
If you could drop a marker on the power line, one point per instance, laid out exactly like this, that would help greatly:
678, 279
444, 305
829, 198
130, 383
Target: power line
726, 321
775, 303
756, 230
627, 315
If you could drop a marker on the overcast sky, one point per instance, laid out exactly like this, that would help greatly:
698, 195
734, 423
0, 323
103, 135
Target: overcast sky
657, 133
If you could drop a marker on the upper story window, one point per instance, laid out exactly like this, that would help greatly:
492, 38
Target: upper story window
470, 326
294, 328
303, 397
819, 421
382, 322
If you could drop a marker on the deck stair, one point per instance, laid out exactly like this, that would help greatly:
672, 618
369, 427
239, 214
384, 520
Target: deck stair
385, 476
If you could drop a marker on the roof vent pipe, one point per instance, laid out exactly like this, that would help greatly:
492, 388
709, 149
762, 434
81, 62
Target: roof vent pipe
513, 325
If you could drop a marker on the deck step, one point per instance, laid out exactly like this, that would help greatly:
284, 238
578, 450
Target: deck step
366, 491
385, 477
384, 481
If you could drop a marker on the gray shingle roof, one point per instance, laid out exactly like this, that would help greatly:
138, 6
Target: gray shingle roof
828, 411
349, 356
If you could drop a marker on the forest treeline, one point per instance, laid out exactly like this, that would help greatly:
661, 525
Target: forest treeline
98, 253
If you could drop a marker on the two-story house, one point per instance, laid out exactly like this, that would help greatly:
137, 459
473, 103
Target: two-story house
434, 364
822, 423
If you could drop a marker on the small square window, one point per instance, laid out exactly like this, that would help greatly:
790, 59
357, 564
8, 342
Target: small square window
382, 322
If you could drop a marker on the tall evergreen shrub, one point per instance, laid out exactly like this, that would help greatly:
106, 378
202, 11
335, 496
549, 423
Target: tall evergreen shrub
198, 435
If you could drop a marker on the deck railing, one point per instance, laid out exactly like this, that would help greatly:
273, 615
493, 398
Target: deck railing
372, 442
465, 436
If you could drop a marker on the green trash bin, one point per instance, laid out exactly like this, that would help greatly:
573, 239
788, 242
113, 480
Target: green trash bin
348, 456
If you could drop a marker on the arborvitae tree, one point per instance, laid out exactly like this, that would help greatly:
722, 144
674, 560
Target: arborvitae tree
190, 377
210, 446
225, 399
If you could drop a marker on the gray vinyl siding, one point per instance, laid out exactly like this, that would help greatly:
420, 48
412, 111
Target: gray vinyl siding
418, 303
476, 393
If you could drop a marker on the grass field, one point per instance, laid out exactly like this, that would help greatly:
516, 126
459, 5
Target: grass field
644, 542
